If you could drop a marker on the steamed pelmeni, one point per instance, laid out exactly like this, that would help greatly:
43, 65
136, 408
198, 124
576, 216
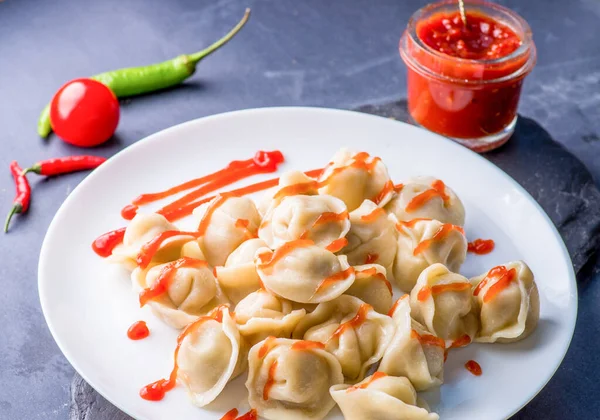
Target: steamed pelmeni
303, 272
413, 352
372, 287
372, 237
211, 353
441, 301
380, 397
423, 242
238, 278
320, 218
290, 183
429, 198
351, 330
225, 222
191, 290
290, 379
262, 314
354, 177
507, 302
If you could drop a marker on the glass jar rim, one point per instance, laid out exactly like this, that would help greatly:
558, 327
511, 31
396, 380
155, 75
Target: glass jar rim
527, 45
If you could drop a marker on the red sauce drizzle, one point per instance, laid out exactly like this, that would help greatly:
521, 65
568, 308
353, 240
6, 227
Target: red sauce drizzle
138, 331
334, 278
156, 390
337, 245
473, 367
398, 187
165, 277
151, 247
324, 218
502, 278
359, 161
396, 304
387, 189
428, 339
250, 415
438, 189
357, 321
307, 345
104, 244
296, 189
270, 380
462, 341
243, 224
442, 232
129, 211
212, 207
230, 415
411, 223
371, 258
373, 216
269, 259
481, 246
372, 272
424, 293
427, 291
268, 344
374, 377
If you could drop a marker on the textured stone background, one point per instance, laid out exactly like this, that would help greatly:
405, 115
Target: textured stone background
340, 53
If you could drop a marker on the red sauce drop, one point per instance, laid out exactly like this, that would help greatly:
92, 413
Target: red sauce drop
395, 306
307, 345
270, 258
438, 189
373, 216
129, 211
473, 367
357, 321
334, 278
441, 233
138, 331
387, 189
372, 272
371, 258
374, 377
104, 244
462, 341
165, 277
428, 339
481, 246
398, 187
230, 415
411, 223
270, 380
502, 278
337, 245
156, 390
483, 38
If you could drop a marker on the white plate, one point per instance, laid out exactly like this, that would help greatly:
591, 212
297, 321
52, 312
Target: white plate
89, 305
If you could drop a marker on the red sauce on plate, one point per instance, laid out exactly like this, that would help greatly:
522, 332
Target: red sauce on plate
104, 244
473, 367
481, 246
138, 331
129, 211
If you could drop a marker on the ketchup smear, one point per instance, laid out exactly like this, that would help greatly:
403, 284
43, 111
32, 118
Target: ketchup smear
481, 246
138, 331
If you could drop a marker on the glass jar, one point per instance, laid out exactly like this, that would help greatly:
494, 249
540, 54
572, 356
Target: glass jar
471, 101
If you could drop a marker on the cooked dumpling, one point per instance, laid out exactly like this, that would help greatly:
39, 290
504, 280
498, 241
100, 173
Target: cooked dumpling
413, 352
225, 222
380, 397
372, 237
290, 379
142, 229
354, 177
178, 292
372, 287
211, 353
508, 303
441, 301
290, 183
320, 218
303, 272
238, 278
351, 330
261, 314
427, 197
423, 242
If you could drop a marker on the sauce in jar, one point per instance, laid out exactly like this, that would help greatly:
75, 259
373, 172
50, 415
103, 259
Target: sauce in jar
465, 82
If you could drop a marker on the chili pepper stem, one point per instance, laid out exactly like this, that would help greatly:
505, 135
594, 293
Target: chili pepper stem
16, 208
196, 57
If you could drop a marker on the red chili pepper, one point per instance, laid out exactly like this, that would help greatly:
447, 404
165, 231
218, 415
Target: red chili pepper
21, 201
65, 165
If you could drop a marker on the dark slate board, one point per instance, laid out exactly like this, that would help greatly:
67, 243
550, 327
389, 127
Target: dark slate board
552, 175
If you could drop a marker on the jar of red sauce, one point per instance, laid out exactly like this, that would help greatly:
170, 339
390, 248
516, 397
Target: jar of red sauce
464, 82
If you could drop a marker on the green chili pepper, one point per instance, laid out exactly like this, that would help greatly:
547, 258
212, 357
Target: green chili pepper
137, 80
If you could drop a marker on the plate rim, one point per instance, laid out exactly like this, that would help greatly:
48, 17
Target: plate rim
157, 136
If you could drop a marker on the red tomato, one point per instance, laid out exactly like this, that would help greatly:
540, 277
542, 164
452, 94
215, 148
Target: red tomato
84, 112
